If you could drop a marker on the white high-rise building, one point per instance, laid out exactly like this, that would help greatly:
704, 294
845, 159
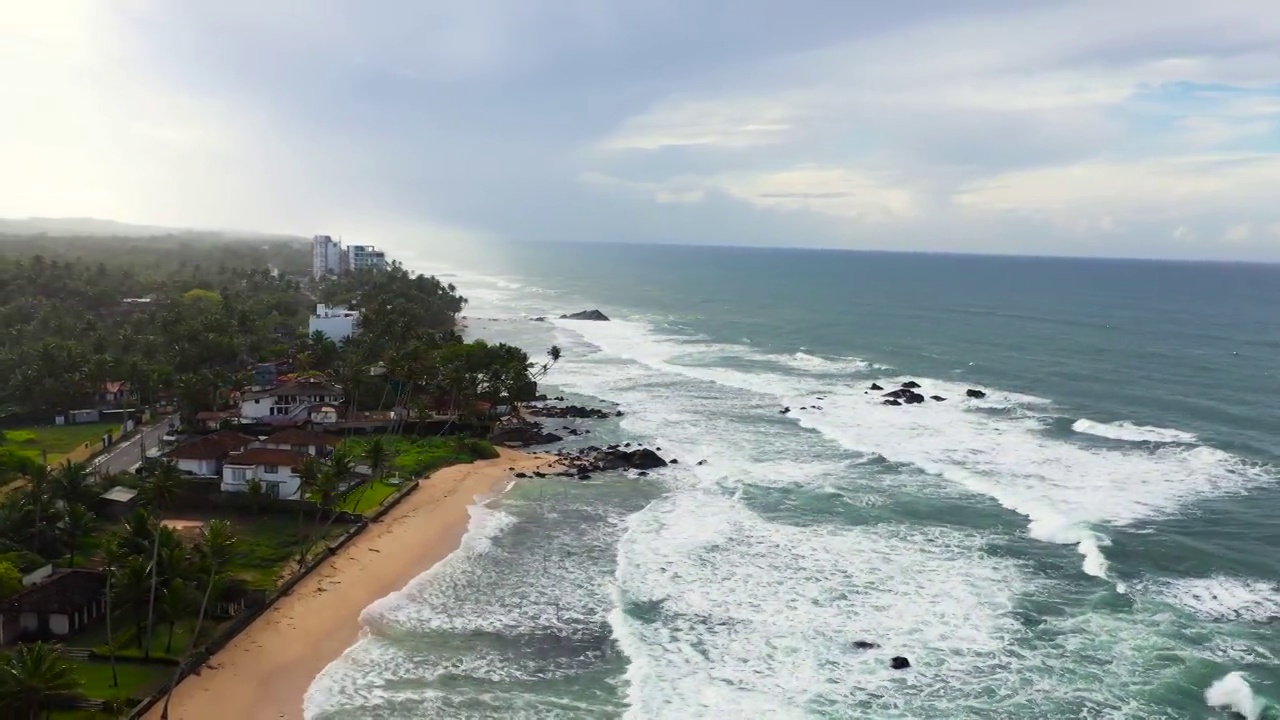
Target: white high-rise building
326, 256
365, 257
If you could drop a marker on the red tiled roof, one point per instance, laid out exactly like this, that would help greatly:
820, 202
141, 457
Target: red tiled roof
267, 456
297, 436
66, 591
216, 414
211, 447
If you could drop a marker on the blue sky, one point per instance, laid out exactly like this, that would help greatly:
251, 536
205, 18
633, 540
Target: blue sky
1125, 127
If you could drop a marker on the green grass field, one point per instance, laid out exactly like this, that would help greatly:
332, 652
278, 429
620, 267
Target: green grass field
362, 500
137, 680
57, 440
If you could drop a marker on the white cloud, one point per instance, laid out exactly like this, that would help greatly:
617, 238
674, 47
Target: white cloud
840, 192
724, 123
1147, 189
1238, 233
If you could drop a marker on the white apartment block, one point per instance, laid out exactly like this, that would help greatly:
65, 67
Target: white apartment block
326, 256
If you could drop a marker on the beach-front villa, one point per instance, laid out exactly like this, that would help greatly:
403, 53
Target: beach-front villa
276, 469
290, 403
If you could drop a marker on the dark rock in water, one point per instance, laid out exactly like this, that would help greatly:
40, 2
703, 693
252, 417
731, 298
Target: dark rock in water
911, 384
876, 386
784, 411
865, 645
892, 402
913, 398
975, 393
539, 474
522, 475
643, 473
701, 462
586, 315
899, 663
937, 398
673, 461
900, 394
577, 412
618, 414
540, 318
584, 476
520, 434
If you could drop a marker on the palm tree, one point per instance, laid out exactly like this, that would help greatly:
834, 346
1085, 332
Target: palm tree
309, 474
76, 526
38, 487
32, 676
215, 549
73, 483
161, 490
377, 455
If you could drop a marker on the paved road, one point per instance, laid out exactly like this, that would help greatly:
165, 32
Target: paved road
125, 455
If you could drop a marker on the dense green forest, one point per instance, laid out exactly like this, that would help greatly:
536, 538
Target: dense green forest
187, 319
78, 312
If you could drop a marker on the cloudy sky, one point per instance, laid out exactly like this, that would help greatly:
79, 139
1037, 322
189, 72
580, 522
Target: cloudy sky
1115, 127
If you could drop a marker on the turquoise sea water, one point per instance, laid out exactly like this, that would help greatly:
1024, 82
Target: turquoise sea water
1097, 538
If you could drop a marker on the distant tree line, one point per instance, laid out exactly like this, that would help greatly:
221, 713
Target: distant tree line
184, 319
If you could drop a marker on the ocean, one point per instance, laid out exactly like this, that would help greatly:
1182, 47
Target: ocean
1095, 538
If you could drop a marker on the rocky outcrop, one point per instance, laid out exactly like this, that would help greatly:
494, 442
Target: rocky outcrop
876, 386
517, 432
586, 315
898, 662
571, 411
914, 398
911, 384
975, 393
892, 401
937, 398
865, 645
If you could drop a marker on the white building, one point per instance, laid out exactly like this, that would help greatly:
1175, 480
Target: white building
365, 257
276, 469
326, 256
288, 402
204, 455
337, 323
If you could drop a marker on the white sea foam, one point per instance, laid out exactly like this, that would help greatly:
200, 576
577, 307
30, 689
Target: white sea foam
1225, 598
1069, 492
1233, 692
805, 362
1125, 430
746, 618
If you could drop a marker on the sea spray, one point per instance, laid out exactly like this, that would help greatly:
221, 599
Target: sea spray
1130, 432
1232, 692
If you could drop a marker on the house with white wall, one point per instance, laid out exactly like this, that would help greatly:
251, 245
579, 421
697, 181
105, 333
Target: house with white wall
289, 402
306, 442
335, 321
60, 604
204, 455
276, 469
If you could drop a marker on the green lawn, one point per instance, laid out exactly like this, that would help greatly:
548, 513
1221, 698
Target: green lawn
57, 440
137, 680
126, 638
266, 544
362, 500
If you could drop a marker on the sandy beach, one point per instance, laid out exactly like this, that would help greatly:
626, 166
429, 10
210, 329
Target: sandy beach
266, 670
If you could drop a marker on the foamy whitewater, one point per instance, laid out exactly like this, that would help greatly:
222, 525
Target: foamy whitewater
1030, 562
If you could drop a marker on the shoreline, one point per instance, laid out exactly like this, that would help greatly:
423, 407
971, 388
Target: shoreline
266, 670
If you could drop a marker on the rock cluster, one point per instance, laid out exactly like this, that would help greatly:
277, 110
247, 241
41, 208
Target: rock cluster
571, 411
586, 315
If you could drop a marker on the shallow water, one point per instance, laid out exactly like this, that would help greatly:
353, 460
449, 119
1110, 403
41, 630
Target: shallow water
1094, 539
